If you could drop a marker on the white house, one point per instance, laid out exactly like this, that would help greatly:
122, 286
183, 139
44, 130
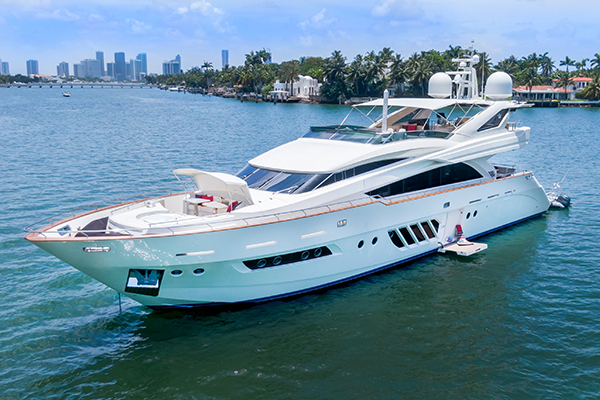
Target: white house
305, 86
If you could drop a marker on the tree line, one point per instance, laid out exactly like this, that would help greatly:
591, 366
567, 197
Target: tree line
370, 74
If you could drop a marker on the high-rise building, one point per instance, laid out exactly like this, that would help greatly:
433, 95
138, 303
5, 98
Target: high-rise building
91, 68
5, 70
224, 58
142, 57
78, 70
137, 69
100, 57
32, 67
120, 68
130, 70
110, 70
172, 67
62, 69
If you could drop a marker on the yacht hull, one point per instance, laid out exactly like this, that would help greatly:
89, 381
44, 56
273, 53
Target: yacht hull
226, 266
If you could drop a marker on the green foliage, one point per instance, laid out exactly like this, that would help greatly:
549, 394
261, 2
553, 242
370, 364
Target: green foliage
592, 91
368, 75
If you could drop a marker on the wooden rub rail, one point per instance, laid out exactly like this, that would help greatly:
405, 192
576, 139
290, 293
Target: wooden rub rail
167, 227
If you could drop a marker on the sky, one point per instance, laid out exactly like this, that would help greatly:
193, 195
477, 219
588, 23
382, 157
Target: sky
52, 31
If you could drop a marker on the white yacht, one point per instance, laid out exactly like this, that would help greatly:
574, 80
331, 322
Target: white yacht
336, 204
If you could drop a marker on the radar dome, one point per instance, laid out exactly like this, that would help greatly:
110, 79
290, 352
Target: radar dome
499, 86
440, 85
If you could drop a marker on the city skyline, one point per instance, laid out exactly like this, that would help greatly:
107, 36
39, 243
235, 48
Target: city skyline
65, 30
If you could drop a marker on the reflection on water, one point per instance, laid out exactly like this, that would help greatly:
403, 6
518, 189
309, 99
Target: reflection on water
518, 320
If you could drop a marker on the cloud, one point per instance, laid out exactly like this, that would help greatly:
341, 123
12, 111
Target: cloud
61, 15
317, 21
382, 9
96, 17
206, 9
138, 26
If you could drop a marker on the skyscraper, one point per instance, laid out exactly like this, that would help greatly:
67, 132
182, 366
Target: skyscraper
32, 67
172, 67
137, 69
129, 68
120, 68
224, 58
62, 69
5, 70
91, 68
78, 70
110, 70
143, 59
100, 57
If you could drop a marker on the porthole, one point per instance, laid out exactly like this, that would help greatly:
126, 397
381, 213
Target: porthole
318, 252
468, 215
277, 260
261, 263
361, 244
176, 272
305, 254
474, 213
447, 204
198, 271
374, 241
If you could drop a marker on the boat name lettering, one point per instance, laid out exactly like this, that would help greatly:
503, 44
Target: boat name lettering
96, 249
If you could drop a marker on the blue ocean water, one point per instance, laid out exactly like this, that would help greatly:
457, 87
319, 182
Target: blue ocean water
518, 321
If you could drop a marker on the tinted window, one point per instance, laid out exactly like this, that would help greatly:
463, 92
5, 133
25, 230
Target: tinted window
286, 183
436, 177
260, 177
246, 171
493, 122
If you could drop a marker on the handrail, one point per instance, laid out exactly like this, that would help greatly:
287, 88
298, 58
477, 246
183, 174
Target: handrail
96, 206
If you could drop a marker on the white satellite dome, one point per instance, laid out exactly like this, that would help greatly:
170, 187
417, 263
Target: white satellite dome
499, 86
440, 85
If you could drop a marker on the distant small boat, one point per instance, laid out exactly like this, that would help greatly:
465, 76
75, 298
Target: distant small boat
66, 94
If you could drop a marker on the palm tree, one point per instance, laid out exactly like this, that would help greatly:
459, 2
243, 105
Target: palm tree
509, 65
564, 80
454, 52
288, 72
420, 71
546, 65
397, 71
355, 73
592, 91
567, 62
581, 65
208, 73
596, 62
529, 77
334, 68
483, 67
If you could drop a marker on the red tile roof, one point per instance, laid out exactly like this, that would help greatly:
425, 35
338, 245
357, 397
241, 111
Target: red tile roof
541, 88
